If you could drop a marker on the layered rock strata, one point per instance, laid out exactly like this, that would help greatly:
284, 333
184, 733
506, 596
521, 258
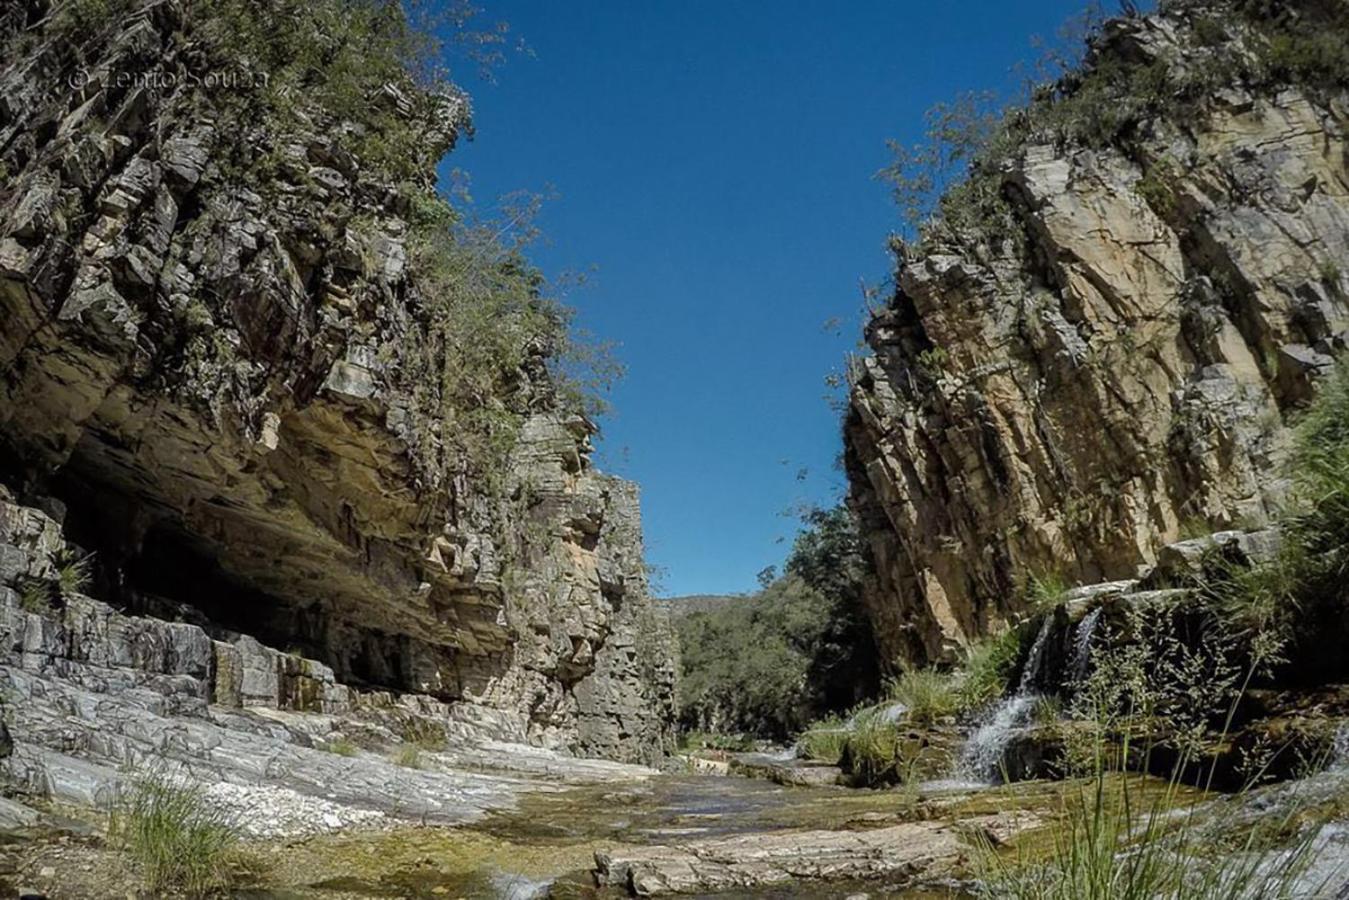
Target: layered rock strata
212, 367
1067, 398
94, 697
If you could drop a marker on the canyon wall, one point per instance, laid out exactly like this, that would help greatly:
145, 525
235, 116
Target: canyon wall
1118, 360
211, 346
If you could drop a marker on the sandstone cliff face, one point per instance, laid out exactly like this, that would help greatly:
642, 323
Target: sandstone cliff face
210, 367
1070, 401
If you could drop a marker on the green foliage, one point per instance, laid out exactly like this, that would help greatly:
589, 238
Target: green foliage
178, 838
987, 668
73, 573
1157, 187
1330, 272
824, 741
1294, 598
378, 68
830, 556
745, 665
950, 185
929, 695
79, 17
797, 650
35, 596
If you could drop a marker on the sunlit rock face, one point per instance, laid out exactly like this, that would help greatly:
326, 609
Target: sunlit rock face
1071, 400
210, 365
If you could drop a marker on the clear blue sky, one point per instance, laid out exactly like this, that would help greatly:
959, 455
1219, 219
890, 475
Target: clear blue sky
715, 161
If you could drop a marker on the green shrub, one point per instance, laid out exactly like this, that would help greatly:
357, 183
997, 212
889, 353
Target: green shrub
1330, 272
178, 838
928, 694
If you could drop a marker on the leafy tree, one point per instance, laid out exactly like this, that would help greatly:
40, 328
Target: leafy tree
771, 663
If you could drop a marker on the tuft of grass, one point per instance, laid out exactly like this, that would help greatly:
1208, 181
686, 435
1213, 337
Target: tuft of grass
73, 573
1045, 590
1330, 272
424, 735
179, 840
930, 695
341, 747
35, 596
1122, 837
873, 750
409, 756
824, 741
987, 668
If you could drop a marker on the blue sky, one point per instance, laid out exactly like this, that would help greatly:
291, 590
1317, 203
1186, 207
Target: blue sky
714, 162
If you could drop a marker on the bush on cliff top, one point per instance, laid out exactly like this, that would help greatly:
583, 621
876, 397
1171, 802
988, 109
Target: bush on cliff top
951, 182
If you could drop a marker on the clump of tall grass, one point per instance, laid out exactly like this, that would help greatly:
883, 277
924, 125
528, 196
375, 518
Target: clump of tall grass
179, 840
928, 694
987, 668
1128, 837
825, 740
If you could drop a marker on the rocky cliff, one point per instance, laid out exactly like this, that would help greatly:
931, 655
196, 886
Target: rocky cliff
1109, 354
220, 374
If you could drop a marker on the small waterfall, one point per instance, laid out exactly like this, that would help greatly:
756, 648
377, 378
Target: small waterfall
1081, 660
1036, 657
982, 754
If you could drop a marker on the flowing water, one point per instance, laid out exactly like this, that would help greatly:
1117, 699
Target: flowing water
1081, 659
547, 846
981, 757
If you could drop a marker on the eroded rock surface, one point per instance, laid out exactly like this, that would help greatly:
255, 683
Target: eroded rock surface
94, 697
1068, 397
208, 338
901, 854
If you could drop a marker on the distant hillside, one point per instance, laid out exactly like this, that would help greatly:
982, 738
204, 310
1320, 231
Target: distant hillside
691, 603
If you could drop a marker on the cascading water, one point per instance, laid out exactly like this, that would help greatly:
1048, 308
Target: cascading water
982, 754
1081, 660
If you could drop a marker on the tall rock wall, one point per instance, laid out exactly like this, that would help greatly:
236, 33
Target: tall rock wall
1069, 399
209, 346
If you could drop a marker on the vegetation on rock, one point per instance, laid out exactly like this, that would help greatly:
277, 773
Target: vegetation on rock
179, 839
